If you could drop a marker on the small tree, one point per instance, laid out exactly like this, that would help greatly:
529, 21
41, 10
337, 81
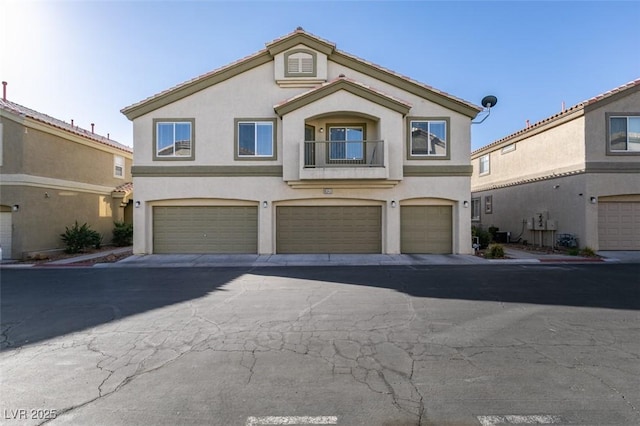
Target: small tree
79, 237
122, 234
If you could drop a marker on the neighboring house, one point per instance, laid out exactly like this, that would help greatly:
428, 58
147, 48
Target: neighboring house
576, 173
302, 148
53, 173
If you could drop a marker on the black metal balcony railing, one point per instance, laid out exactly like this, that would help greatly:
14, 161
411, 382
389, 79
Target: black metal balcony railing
320, 154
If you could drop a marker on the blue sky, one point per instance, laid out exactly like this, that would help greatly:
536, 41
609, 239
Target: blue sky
87, 60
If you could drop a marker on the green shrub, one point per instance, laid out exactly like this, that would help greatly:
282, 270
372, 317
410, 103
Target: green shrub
79, 237
588, 252
493, 231
573, 251
484, 237
122, 234
495, 251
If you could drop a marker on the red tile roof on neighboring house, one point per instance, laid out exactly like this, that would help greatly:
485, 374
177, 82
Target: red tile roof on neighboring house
23, 111
125, 188
567, 111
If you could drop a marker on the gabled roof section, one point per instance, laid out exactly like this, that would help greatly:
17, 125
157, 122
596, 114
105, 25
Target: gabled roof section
346, 84
565, 115
300, 36
25, 112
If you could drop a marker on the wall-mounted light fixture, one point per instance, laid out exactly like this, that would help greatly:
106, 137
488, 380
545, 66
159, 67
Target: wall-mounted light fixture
137, 204
321, 130
393, 204
15, 207
593, 200
556, 186
46, 195
265, 204
465, 204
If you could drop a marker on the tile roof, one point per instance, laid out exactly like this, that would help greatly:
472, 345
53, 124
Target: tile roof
23, 111
125, 187
265, 52
578, 107
350, 80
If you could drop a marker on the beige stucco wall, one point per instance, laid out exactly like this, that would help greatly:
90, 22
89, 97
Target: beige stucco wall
558, 150
253, 94
55, 178
596, 133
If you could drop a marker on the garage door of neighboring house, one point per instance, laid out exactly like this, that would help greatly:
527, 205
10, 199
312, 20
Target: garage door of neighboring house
5, 234
329, 229
619, 226
205, 229
426, 229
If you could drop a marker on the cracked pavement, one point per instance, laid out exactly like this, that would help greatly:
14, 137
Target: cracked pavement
370, 345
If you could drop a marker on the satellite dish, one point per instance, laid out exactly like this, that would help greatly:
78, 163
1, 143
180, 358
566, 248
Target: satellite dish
489, 101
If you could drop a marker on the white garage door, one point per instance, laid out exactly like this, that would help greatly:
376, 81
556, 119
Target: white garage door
5, 234
619, 226
204, 229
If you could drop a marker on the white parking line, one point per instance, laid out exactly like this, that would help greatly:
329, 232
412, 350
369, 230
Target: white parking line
541, 419
292, 420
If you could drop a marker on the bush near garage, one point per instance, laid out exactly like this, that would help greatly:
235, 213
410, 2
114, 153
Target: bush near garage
122, 234
80, 237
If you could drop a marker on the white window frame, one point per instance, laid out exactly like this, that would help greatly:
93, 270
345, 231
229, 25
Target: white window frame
173, 155
484, 165
626, 151
118, 162
508, 148
446, 155
257, 123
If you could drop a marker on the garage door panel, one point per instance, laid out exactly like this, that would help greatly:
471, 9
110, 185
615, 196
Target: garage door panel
619, 225
204, 229
426, 229
328, 229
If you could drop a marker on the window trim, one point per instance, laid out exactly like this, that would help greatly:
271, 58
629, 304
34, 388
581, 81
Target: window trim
447, 128
157, 157
488, 171
115, 166
477, 200
236, 142
608, 117
314, 58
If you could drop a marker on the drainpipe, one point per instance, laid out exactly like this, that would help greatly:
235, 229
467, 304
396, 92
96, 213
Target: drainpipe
4, 90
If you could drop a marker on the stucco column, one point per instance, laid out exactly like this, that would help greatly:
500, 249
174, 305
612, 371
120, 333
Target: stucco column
266, 228
141, 229
392, 228
462, 241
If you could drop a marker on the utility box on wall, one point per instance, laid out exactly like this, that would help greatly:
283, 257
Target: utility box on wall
539, 221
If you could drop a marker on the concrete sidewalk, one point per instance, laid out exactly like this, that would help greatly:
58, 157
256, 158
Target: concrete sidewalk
515, 256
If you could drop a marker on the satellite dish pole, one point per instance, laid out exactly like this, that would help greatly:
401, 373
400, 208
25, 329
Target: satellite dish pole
488, 102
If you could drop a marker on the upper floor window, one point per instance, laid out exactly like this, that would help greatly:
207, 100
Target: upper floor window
174, 139
118, 166
347, 143
484, 165
300, 63
428, 138
255, 139
624, 134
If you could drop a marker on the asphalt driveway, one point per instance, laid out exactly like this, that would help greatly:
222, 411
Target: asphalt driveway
396, 345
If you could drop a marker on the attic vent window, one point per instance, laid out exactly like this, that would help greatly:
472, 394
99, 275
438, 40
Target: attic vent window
300, 63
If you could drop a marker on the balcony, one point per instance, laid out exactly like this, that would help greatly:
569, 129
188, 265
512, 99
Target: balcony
354, 159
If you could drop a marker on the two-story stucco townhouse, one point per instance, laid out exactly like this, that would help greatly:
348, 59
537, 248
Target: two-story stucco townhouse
302, 148
575, 174
53, 173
